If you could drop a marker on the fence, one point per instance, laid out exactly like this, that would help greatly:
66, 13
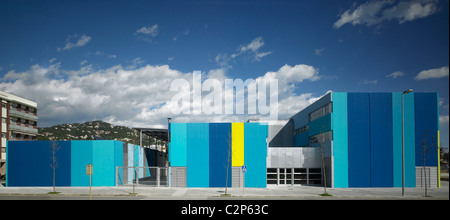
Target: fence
142, 176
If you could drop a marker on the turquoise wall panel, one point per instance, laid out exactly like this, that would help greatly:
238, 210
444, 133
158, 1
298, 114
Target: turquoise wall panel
81, 156
397, 138
118, 159
255, 152
103, 163
131, 173
178, 145
340, 139
198, 155
410, 151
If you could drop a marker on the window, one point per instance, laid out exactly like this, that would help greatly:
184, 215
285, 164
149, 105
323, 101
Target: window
301, 130
320, 138
322, 111
294, 176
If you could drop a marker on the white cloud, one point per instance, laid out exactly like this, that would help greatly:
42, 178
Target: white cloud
433, 73
253, 46
319, 51
100, 53
80, 41
147, 33
443, 119
132, 95
375, 12
395, 74
83, 62
151, 31
251, 50
367, 82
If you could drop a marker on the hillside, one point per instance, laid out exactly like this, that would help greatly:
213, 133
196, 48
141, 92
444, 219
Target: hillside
90, 130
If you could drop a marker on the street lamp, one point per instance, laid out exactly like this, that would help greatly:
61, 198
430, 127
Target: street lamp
168, 137
403, 143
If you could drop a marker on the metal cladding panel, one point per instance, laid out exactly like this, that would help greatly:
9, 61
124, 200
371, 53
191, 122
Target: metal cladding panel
281, 134
340, 139
322, 124
130, 172
302, 140
237, 130
141, 161
81, 156
297, 158
29, 163
104, 172
381, 138
118, 158
289, 157
426, 111
397, 139
410, 151
197, 155
220, 154
255, 153
178, 145
302, 118
358, 139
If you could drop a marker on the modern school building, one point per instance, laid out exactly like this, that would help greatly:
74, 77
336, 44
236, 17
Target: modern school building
358, 135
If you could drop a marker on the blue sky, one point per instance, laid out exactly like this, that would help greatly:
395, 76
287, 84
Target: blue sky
114, 60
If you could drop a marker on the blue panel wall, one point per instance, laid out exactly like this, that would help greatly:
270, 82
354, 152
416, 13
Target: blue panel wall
397, 138
340, 139
29, 164
255, 152
219, 146
410, 151
198, 155
358, 139
426, 114
322, 124
381, 152
81, 156
302, 140
178, 145
103, 163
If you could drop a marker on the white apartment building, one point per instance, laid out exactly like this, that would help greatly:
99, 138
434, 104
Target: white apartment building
19, 122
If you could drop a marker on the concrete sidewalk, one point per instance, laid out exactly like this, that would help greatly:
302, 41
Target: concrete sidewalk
272, 192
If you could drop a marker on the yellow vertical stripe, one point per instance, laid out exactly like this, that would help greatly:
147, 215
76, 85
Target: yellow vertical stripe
237, 147
439, 158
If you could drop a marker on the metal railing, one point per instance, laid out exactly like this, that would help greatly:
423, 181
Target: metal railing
142, 176
29, 116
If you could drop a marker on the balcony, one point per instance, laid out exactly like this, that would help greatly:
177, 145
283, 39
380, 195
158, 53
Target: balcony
27, 130
28, 116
